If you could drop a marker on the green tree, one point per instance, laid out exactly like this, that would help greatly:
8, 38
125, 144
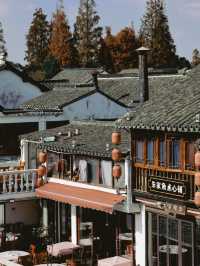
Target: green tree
195, 57
3, 52
61, 45
155, 34
37, 39
87, 33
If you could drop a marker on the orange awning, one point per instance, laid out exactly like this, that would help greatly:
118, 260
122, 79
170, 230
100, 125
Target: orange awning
83, 197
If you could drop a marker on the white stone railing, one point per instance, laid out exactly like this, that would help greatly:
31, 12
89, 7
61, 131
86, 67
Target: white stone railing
18, 181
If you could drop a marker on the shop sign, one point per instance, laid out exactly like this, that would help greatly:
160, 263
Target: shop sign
167, 187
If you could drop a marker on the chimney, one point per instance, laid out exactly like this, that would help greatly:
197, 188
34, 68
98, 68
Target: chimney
143, 74
95, 78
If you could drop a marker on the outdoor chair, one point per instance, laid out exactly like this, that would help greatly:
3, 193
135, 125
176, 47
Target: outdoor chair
25, 260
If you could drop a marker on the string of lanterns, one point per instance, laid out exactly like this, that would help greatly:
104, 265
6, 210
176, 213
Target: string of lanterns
116, 155
42, 158
197, 179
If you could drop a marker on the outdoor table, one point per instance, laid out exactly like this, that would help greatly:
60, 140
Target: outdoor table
115, 261
62, 248
50, 264
85, 242
125, 236
13, 255
173, 249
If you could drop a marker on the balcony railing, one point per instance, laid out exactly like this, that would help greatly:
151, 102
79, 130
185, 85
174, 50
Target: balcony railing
143, 175
18, 181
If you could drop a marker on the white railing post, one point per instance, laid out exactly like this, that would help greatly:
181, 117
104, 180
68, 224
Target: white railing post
16, 185
4, 184
27, 182
21, 182
10, 183
33, 178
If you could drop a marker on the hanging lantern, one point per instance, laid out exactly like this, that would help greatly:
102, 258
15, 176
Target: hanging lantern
42, 157
197, 159
197, 198
116, 138
41, 171
39, 181
117, 171
116, 155
197, 179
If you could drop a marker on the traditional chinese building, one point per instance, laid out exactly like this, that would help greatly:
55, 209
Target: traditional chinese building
164, 131
83, 200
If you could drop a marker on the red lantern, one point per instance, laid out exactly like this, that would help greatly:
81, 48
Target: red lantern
116, 138
197, 159
42, 157
197, 179
116, 155
41, 171
39, 182
117, 171
197, 198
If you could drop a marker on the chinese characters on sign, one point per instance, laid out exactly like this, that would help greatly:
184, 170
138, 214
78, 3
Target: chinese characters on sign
167, 186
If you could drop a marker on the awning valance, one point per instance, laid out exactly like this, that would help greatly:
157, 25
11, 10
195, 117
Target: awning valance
83, 197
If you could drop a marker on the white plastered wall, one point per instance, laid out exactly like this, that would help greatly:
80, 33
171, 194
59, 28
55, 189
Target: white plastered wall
95, 106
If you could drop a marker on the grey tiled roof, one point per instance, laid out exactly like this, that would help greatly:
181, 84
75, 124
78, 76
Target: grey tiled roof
175, 108
56, 99
126, 89
76, 75
91, 140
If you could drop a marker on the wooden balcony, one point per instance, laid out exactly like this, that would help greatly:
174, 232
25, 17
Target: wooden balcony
13, 183
164, 182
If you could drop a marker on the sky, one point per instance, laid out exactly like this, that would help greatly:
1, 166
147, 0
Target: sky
183, 15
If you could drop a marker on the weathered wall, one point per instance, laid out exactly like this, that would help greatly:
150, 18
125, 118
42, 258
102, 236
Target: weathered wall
22, 211
13, 91
95, 106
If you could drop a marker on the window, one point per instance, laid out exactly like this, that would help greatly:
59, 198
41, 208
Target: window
162, 153
174, 153
140, 151
189, 155
150, 151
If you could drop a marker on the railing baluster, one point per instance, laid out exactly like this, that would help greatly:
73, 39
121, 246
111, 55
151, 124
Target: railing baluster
27, 182
16, 184
10, 183
4, 184
21, 182
33, 181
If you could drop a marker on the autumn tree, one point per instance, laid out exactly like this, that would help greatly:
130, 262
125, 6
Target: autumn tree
126, 44
111, 49
87, 33
61, 44
195, 57
3, 52
37, 39
156, 35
